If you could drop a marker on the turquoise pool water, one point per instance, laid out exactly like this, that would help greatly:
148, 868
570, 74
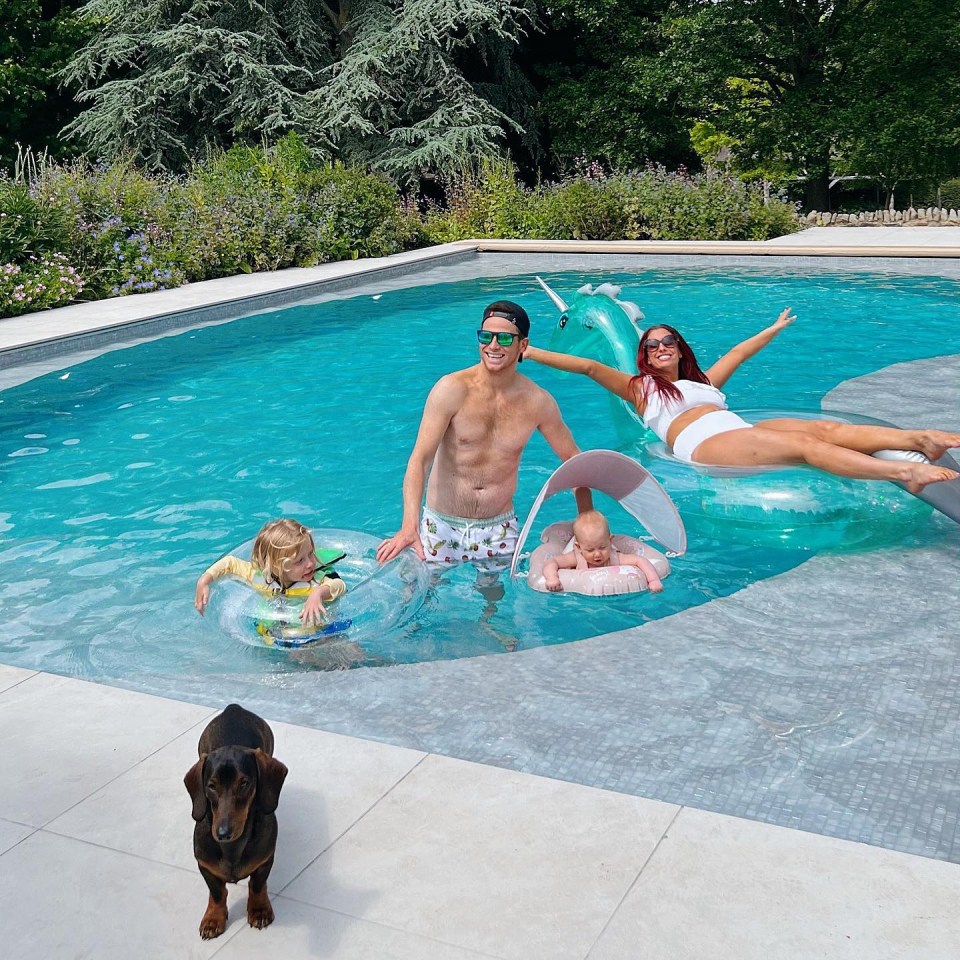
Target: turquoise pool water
121, 478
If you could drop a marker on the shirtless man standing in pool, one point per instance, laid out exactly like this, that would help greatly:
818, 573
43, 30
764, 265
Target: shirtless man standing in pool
475, 426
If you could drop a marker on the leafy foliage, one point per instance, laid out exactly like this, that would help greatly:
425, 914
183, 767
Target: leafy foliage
808, 87
607, 92
379, 82
900, 123
649, 204
123, 231
28, 227
36, 39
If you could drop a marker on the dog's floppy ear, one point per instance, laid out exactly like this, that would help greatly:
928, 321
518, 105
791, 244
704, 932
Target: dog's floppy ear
193, 781
272, 773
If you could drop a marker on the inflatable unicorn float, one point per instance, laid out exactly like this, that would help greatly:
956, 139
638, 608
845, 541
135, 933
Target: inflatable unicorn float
792, 506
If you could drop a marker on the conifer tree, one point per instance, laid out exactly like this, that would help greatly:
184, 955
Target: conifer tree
402, 85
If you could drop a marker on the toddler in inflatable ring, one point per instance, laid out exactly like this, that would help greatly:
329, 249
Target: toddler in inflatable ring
284, 561
593, 547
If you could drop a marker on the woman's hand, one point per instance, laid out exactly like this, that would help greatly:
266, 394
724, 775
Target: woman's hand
784, 320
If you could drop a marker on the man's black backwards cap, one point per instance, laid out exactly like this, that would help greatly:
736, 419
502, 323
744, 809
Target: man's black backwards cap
511, 311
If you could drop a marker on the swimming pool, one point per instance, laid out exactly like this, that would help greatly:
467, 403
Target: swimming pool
107, 523
126, 475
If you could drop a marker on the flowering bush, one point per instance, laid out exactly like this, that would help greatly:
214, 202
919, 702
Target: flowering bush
594, 204
28, 226
41, 282
248, 210
487, 203
118, 224
661, 205
90, 231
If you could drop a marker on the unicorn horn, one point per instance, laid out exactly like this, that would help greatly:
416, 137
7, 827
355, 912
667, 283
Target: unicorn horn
555, 297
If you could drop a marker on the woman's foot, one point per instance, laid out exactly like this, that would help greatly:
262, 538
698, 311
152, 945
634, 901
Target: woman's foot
916, 476
933, 444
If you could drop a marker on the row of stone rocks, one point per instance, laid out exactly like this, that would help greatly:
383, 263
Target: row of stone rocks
924, 217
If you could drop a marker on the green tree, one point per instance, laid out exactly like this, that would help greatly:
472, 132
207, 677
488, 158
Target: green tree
810, 84
902, 121
402, 85
37, 37
607, 93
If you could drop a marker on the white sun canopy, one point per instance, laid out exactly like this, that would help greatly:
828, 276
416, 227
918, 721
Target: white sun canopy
627, 482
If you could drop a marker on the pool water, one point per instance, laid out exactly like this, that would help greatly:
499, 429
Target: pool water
123, 477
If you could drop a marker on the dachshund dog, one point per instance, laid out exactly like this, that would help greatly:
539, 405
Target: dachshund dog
235, 788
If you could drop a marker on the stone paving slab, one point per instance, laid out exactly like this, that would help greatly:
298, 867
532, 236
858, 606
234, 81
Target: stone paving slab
333, 782
722, 887
66, 738
496, 861
451, 861
913, 238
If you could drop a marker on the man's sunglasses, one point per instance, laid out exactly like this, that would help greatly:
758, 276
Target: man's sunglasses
668, 341
503, 339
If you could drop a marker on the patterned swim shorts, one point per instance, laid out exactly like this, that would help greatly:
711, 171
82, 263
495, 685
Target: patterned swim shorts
464, 540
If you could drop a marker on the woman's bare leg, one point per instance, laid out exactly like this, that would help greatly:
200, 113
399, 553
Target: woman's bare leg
762, 446
866, 438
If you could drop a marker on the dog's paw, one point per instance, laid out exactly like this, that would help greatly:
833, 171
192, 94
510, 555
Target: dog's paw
260, 915
259, 910
214, 922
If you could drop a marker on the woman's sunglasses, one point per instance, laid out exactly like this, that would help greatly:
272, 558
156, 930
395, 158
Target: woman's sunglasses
503, 339
668, 341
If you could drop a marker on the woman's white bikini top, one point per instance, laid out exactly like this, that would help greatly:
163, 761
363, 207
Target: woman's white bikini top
661, 411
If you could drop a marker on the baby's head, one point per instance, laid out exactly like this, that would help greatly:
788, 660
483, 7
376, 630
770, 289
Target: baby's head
591, 533
284, 552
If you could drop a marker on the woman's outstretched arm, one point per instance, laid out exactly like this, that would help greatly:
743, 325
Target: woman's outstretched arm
727, 365
610, 378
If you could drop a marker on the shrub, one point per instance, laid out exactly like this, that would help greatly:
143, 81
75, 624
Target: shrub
28, 226
581, 209
950, 193
488, 202
352, 214
40, 283
709, 206
650, 204
118, 225
263, 209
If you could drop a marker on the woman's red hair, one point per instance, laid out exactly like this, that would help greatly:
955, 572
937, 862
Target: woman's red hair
649, 380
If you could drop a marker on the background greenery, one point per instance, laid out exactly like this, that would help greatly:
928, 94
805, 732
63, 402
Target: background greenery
153, 142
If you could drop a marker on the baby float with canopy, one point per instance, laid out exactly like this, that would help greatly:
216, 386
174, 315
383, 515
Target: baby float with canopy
637, 492
795, 506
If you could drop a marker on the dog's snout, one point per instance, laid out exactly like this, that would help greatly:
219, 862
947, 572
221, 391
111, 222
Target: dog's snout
223, 831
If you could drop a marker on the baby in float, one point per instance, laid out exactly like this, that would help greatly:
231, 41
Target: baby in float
593, 547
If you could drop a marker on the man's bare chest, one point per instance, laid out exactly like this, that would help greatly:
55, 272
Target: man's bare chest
496, 429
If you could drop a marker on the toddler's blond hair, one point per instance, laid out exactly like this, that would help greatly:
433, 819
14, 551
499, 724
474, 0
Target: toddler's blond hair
278, 544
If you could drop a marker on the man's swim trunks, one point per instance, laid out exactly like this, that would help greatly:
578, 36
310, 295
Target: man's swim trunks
462, 540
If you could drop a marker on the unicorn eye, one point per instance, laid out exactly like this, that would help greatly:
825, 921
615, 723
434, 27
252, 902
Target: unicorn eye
563, 320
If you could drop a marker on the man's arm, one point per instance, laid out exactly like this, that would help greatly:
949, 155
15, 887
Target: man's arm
561, 441
442, 403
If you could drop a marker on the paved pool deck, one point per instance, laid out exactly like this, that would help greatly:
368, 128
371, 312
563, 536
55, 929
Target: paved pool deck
395, 851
